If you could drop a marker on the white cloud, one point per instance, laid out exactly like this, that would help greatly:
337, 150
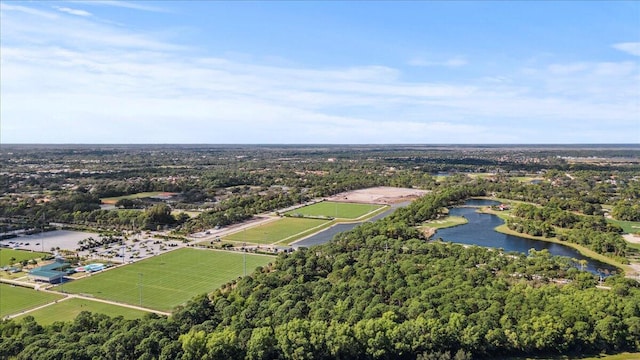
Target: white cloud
71, 11
68, 79
27, 10
121, 4
451, 63
632, 48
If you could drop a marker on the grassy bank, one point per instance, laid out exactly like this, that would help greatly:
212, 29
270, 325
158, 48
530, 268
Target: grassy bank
504, 215
449, 221
430, 227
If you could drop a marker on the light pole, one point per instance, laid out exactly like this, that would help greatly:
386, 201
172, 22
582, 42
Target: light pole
140, 287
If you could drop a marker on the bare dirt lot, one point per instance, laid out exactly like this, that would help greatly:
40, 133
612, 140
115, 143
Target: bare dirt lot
379, 195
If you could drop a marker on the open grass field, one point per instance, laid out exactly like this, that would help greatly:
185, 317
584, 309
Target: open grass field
14, 299
341, 210
276, 231
191, 214
67, 310
528, 179
165, 281
142, 195
7, 254
629, 227
449, 221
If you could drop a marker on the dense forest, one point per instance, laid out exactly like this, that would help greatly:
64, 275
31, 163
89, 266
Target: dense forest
379, 291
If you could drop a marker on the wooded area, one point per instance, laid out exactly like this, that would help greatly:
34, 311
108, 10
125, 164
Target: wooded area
379, 291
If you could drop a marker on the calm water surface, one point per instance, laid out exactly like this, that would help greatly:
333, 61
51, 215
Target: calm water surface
328, 234
480, 231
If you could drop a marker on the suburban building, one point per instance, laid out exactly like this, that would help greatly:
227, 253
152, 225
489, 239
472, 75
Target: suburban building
52, 273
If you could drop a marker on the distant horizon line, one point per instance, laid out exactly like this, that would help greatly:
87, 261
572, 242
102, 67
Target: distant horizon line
320, 144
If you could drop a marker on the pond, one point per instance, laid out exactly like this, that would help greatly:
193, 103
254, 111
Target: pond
480, 231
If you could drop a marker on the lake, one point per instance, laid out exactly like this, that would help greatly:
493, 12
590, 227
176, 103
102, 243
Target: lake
480, 231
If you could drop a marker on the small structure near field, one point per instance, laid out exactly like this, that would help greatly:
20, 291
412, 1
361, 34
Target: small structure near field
52, 273
91, 267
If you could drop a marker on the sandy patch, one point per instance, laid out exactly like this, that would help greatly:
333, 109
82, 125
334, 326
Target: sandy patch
636, 271
634, 239
379, 195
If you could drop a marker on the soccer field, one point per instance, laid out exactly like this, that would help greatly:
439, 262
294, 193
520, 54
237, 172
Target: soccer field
165, 281
67, 310
14, 299
276, 231
335, 210
18, 255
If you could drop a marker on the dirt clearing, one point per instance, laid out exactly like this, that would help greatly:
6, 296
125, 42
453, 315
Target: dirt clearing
379, 195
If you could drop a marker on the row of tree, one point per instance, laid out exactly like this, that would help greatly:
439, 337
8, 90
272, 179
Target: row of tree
593, 232
380, 291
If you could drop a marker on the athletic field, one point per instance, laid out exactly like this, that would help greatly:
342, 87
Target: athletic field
335, 209
287, 229
17, 255
165, 281
67, 310
14, 299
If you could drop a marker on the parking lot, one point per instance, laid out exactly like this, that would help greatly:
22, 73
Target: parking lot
135, 247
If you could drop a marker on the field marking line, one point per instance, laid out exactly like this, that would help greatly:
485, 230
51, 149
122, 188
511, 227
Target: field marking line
11, 316
17, 283
235, 252
310, 230
118, 304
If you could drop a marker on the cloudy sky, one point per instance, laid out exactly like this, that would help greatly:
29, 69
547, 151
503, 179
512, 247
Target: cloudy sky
319, 72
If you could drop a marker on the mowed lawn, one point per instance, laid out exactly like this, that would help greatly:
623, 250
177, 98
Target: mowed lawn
142, 195
18, 255
165, 281
14, 299
449, 221
335, 210
67, 310
276, 231
629, 227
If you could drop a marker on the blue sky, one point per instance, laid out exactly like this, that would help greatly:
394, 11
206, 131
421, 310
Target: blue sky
320, 72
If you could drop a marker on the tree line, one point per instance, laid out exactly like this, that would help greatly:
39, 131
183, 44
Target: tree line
379, 291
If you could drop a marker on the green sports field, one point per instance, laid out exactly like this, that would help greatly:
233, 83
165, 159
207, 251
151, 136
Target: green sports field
335, 209
18, 255
287, 229
165, 281
67, 310
14, 299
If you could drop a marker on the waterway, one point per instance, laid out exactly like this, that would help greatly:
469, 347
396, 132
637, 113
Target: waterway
480, 231
328, 234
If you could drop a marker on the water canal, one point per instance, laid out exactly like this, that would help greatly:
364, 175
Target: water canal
328, 234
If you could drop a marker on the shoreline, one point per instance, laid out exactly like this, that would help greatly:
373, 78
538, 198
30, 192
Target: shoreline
447, 222
503, 229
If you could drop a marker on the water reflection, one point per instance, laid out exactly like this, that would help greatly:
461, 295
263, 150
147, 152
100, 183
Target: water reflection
480, 231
